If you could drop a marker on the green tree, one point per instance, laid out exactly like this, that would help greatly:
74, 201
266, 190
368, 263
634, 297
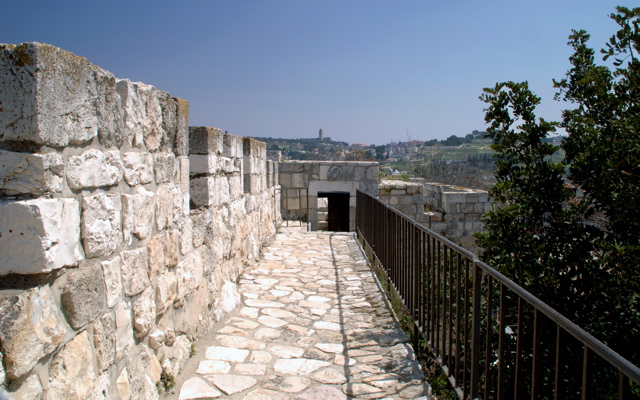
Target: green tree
569, 231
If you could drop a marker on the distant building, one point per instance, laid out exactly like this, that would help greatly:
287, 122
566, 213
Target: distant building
321, 135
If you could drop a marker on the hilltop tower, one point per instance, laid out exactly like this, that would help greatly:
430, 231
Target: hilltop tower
321, 136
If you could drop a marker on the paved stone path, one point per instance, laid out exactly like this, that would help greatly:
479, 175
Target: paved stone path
313, 325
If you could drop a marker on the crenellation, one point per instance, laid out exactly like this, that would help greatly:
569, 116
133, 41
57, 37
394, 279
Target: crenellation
146, 222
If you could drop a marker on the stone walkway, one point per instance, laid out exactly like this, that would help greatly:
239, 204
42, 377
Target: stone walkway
314, 324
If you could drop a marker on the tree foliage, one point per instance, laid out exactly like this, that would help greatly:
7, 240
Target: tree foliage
569, 231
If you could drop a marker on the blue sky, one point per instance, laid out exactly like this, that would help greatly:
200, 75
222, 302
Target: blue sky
366, 71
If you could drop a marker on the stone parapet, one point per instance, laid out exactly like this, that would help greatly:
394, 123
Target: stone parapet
122, 230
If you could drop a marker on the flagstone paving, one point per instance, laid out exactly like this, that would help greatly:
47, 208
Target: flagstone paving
313, 325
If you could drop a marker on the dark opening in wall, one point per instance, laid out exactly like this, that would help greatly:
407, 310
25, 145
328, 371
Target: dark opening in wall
336, 218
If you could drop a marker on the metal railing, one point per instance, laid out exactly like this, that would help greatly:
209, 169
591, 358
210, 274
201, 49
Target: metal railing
492, 338
294, 203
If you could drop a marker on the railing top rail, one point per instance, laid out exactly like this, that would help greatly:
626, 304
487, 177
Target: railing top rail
615, 359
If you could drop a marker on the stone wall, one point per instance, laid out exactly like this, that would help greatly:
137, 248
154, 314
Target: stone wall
301, 181
451, 211
122, 231
455, 212
406, 197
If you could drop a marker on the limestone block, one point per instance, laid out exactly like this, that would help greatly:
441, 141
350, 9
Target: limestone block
166, 291
156, 339
138, 168
104, 341
171, 244
286, 180
137, 214
102, 390
205, 140
174, 357
183, 174
30, 389
133, 108
112, 280
101, 224
93, 169
164, 165
406, 200
31, 327
135, 278
478, 208
144, 313
221, 194
153, 133
208, 164
189, 273
72, 372
181, 142
466, 208
154, 369
229, 165
122, 383
235, 187
124, 330
36, 174
155, 247
49, 96
166, 200
186, 237
169, 108
83, 296
232, 146
200, 223
39, 235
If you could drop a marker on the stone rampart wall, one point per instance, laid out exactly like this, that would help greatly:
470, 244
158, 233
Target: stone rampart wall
122, 231
451, 211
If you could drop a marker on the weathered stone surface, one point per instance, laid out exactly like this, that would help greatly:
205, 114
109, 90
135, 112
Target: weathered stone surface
137, 214
30, 389
166, 291
156, 339
208, 367
171, 245
174, 357
39, 235
138, 168
181, 143
164, 166
93, 169
226, 354
104, 341
122, 384
189, 273
101, 224
197, 388
31, 327
124, 330
186, 237
265, 394
166, 206
72, 372
205, 140
329, 376
111, 271
289, 384
51, 96
322, 393
298, 366
229, 297
231, 384
36, 174
135, 278
202, 191
83, 297
144, 313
